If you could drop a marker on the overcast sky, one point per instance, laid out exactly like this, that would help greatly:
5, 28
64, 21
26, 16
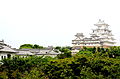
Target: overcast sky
54, 22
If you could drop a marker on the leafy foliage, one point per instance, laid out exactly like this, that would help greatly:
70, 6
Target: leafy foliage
30, 46
66, 53
88, 63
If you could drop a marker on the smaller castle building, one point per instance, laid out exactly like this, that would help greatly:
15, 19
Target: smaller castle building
100, 37
7, 51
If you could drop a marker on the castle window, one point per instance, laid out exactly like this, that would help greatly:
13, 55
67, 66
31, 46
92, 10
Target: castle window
4, 57
8, 55
1, 57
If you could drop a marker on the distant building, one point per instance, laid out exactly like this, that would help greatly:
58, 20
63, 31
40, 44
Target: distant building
7, 52
37, 52
100, 37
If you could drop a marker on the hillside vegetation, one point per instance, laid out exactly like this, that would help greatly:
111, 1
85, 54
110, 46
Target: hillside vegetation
88, 63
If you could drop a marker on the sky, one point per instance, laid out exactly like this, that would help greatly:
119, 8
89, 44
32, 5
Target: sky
55, 22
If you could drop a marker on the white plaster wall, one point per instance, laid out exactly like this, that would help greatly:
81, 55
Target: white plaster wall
48, 55
5, 55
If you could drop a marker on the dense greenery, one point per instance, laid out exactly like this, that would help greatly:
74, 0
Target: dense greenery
66, 52
88, 63
30, 46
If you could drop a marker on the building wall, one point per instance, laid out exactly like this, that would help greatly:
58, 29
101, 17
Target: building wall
47, 55
5, 55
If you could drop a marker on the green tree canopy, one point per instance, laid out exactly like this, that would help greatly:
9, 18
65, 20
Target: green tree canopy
37, 46
30, 46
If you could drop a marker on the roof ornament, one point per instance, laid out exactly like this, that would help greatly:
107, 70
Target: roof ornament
2, 40
99, 20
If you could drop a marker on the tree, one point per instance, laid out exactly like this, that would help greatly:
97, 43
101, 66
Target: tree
26, 46
66, 53
30, 46
114, 51
37, 47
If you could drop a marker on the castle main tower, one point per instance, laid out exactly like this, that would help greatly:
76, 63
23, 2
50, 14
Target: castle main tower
100, 37
105, 35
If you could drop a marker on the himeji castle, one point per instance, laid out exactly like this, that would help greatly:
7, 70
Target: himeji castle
100, 37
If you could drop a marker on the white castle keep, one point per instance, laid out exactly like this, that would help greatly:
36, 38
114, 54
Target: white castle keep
100, 37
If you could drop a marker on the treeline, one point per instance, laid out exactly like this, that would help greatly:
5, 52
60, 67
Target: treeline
88, 63
31, 46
